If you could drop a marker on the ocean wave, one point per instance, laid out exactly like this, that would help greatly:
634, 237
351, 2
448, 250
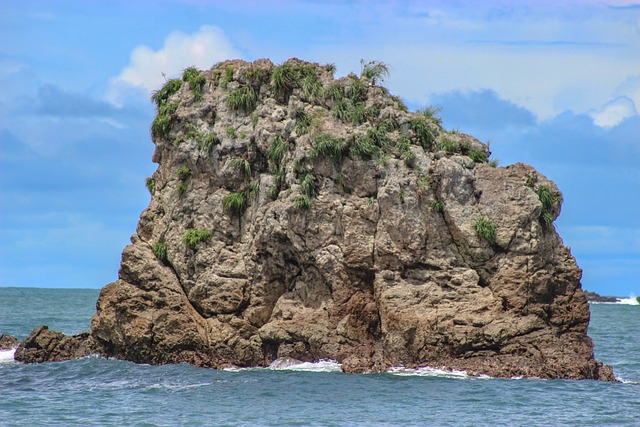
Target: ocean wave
428, 371
6, 356
632, 300
324, 365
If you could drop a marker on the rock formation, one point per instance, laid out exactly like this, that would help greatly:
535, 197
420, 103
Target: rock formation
44, 345
296, 215
8, 342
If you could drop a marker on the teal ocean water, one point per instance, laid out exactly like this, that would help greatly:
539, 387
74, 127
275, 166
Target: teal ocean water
102, 392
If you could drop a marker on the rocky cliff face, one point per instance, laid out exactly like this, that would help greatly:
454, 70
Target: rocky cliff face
294, 215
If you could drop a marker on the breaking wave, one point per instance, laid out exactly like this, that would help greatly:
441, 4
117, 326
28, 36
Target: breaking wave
6, 356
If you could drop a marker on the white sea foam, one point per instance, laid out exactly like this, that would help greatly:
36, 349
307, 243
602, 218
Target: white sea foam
325, 365
632, 300
6, 356
433, 372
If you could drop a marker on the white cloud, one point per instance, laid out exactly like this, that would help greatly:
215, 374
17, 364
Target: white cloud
614, 112
147, 68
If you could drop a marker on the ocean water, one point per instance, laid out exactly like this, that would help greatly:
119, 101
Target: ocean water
102, 392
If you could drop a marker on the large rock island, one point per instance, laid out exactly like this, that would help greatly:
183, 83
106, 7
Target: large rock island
297, 215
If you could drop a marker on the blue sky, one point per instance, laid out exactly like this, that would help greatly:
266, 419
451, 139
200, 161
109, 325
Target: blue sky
553, 84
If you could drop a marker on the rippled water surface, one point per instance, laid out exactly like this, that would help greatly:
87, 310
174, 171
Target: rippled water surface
100, 392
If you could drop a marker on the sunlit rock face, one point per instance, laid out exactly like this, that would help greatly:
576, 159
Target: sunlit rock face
294, 215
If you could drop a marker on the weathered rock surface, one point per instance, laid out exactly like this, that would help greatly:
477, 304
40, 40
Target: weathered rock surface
44, 345
8, 342
330, 222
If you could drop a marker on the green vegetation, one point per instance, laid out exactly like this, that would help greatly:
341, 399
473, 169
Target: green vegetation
277, 150
437, 206
288, 76
409, 158
151, 185
182, 188
308, 184
226, 79
375, 71
431, 113
242, 99
485, 229
242, 165
184, 173
449, 146
207, 141
194, 236
364, 147
256, 76
494, 163
422, 132
330, 68
161, 96
303, 123
550, 201
196, 82
237, 202
477, 155
334, 92
302, 202
160, 251
328, 146
231, 132
162, 123
254, 120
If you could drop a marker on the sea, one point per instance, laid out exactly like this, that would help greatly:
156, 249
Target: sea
95, 391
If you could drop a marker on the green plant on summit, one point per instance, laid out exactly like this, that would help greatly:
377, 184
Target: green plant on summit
328, 146
283, 80
331, 68
448, 146
256, 76
356, 91
431, 113
162, 123
227, 78
400, 103
485, 229
494, 163
184, 173
244, 99
160, 251
194, 236
477, 155
334, 92
423, 133
151, 185
375, 71
196, 82
242, 165
311, 87
161, 96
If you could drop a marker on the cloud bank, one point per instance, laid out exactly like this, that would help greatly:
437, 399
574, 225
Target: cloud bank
148, 69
